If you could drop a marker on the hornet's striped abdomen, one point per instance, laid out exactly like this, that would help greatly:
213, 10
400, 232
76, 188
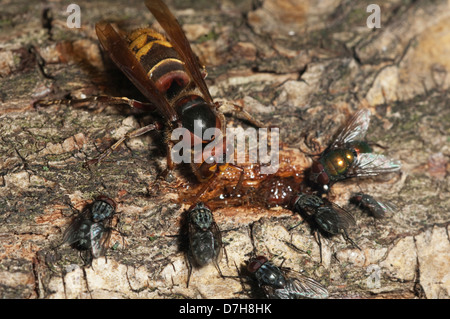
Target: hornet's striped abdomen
160, 60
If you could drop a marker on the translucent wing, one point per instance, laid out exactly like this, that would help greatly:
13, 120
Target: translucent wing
346, 219
179, 41
333, 219
276, 293
70, 235
370, 164
192, 231
379, 209
387, 206
299, 285
218, 240
376, 207
117, 49
354, 130
100, 236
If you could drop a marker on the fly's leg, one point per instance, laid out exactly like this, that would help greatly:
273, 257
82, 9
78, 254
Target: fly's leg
346, 237
189, 265
240, 279
296, 225
129, 135
295, 248
319, 242
216, 264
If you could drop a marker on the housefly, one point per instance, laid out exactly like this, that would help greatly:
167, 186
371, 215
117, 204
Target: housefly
377, 208
205, 240
325, 216
282, 283
90, 231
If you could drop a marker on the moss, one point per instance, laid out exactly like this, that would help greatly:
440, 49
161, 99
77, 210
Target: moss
211, 35
6, 23
358, 16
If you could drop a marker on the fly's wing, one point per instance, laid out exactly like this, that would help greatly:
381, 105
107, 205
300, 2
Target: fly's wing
218, 245
387, 206
377, 207
276, 293
195, 240
205, 246
191, 232
297, 286
334, 218
370, 164
70, 234
117, 49
100, 236
300, 286
345, 218
354, 130
179, 41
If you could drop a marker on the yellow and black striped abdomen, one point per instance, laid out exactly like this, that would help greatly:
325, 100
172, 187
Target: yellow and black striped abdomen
160, 60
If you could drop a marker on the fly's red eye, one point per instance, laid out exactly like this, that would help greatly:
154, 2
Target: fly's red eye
316, 168
323, 179
256, 263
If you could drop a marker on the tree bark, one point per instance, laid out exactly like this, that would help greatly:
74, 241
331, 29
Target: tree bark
304, 67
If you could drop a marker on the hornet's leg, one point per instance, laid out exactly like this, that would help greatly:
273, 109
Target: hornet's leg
98, 99
239, 112
170, 164
129, 135
213, 179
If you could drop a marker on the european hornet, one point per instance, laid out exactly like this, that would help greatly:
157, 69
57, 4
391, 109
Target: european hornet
169, 75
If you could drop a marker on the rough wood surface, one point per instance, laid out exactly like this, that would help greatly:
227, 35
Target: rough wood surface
303, 66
